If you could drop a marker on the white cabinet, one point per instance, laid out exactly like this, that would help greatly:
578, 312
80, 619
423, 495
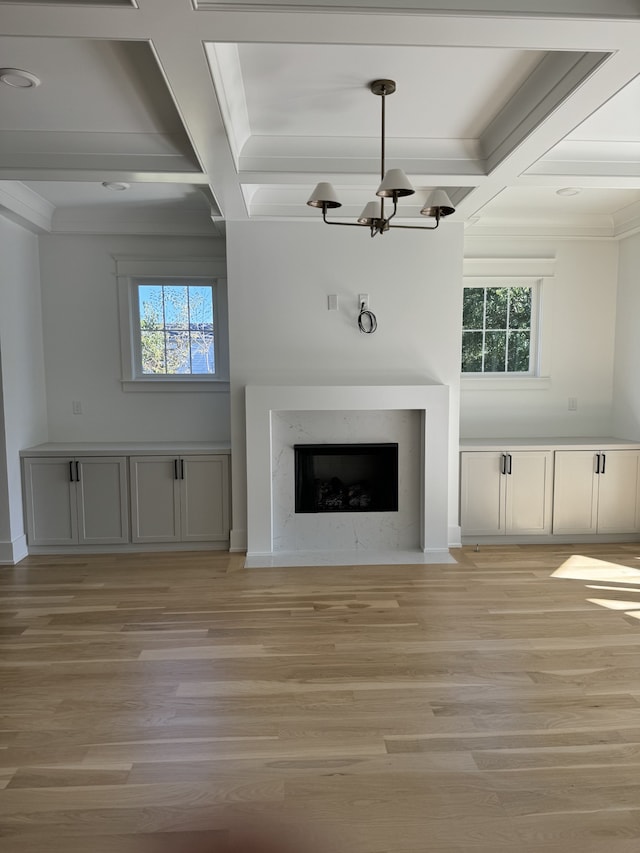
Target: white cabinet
506, 492
179, 498
76, 500
596, 491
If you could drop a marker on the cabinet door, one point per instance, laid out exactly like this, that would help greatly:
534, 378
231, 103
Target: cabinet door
618, 492
482, 493
50, 499
204, 498
529, 492
103, 507
575, 492
155, 499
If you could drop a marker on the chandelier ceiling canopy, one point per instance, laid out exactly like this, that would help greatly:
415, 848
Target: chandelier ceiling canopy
394, 184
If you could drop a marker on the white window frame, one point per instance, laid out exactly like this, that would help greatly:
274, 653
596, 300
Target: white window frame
539, 374
132, 272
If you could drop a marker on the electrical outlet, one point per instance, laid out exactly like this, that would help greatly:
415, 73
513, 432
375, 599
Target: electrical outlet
332, 302
363, 297
573, 404
76, 407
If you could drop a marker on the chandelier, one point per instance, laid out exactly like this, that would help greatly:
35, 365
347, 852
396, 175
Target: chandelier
394, 185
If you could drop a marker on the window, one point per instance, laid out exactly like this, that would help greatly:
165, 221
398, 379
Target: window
173, 324
175, 328
499, 329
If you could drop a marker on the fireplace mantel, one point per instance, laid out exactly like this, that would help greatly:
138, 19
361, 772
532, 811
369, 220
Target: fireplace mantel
432, 403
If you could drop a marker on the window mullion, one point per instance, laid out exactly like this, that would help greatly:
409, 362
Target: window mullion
164, 331
484, 325
189, 327
506, 338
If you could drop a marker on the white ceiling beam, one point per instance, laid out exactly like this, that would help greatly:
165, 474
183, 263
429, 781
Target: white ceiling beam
355, 179
99, 175
182, 59
527, 8
26, 207
566, 179
154, 17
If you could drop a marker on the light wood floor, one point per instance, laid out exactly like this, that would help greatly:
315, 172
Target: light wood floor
149, 702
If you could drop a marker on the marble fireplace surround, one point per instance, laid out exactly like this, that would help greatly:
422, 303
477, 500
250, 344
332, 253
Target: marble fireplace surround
263, 402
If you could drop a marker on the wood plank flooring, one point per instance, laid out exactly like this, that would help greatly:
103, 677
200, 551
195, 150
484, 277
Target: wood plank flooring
152, 702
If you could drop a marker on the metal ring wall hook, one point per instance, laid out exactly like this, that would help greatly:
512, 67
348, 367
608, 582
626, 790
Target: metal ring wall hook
367, 322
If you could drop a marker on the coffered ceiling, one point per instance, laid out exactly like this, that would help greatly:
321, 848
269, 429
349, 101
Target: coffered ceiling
212, 111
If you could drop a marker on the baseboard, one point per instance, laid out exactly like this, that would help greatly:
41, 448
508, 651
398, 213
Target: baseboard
553, 539
238, 541
13, 552
131, 548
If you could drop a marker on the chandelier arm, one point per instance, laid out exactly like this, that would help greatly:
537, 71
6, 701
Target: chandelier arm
421, 227
395, 210
418, 227
328, 222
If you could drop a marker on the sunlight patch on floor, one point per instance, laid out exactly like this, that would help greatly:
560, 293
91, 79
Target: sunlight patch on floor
578, 567
615, 603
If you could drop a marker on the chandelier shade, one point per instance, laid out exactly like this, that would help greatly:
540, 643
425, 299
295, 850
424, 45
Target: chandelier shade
437, 204
370, 213
394, 184
324, 195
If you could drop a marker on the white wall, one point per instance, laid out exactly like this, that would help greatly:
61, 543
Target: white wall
82, 347
22, 387
581, 318
626, 407
281, 332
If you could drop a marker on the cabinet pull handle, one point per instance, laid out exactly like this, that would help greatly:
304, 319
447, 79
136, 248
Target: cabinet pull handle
510, 460
77, 472
604, 462
175, 469
503, 463
597, 463
71, 472
182, 469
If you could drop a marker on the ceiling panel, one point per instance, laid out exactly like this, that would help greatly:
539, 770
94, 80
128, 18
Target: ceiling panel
537, 202
618, 119
87, 85
322, 90
92, 194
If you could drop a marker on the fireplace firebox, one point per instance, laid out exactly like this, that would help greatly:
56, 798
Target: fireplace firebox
346, 477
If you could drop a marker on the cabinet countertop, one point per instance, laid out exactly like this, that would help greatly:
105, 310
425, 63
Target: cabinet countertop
127, 448
549, 443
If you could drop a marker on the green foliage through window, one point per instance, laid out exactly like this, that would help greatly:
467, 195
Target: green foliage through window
496, 329
176, 329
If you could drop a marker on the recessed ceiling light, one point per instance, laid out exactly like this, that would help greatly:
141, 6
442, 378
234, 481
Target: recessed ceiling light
117, 186
569, 191
19, 79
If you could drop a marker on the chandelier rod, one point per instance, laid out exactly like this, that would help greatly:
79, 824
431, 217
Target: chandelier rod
382, 146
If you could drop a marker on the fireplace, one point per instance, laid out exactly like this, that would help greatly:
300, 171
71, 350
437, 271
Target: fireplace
346, 477
278, 417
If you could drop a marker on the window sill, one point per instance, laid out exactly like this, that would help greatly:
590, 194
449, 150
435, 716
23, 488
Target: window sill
499, 383
170, 386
